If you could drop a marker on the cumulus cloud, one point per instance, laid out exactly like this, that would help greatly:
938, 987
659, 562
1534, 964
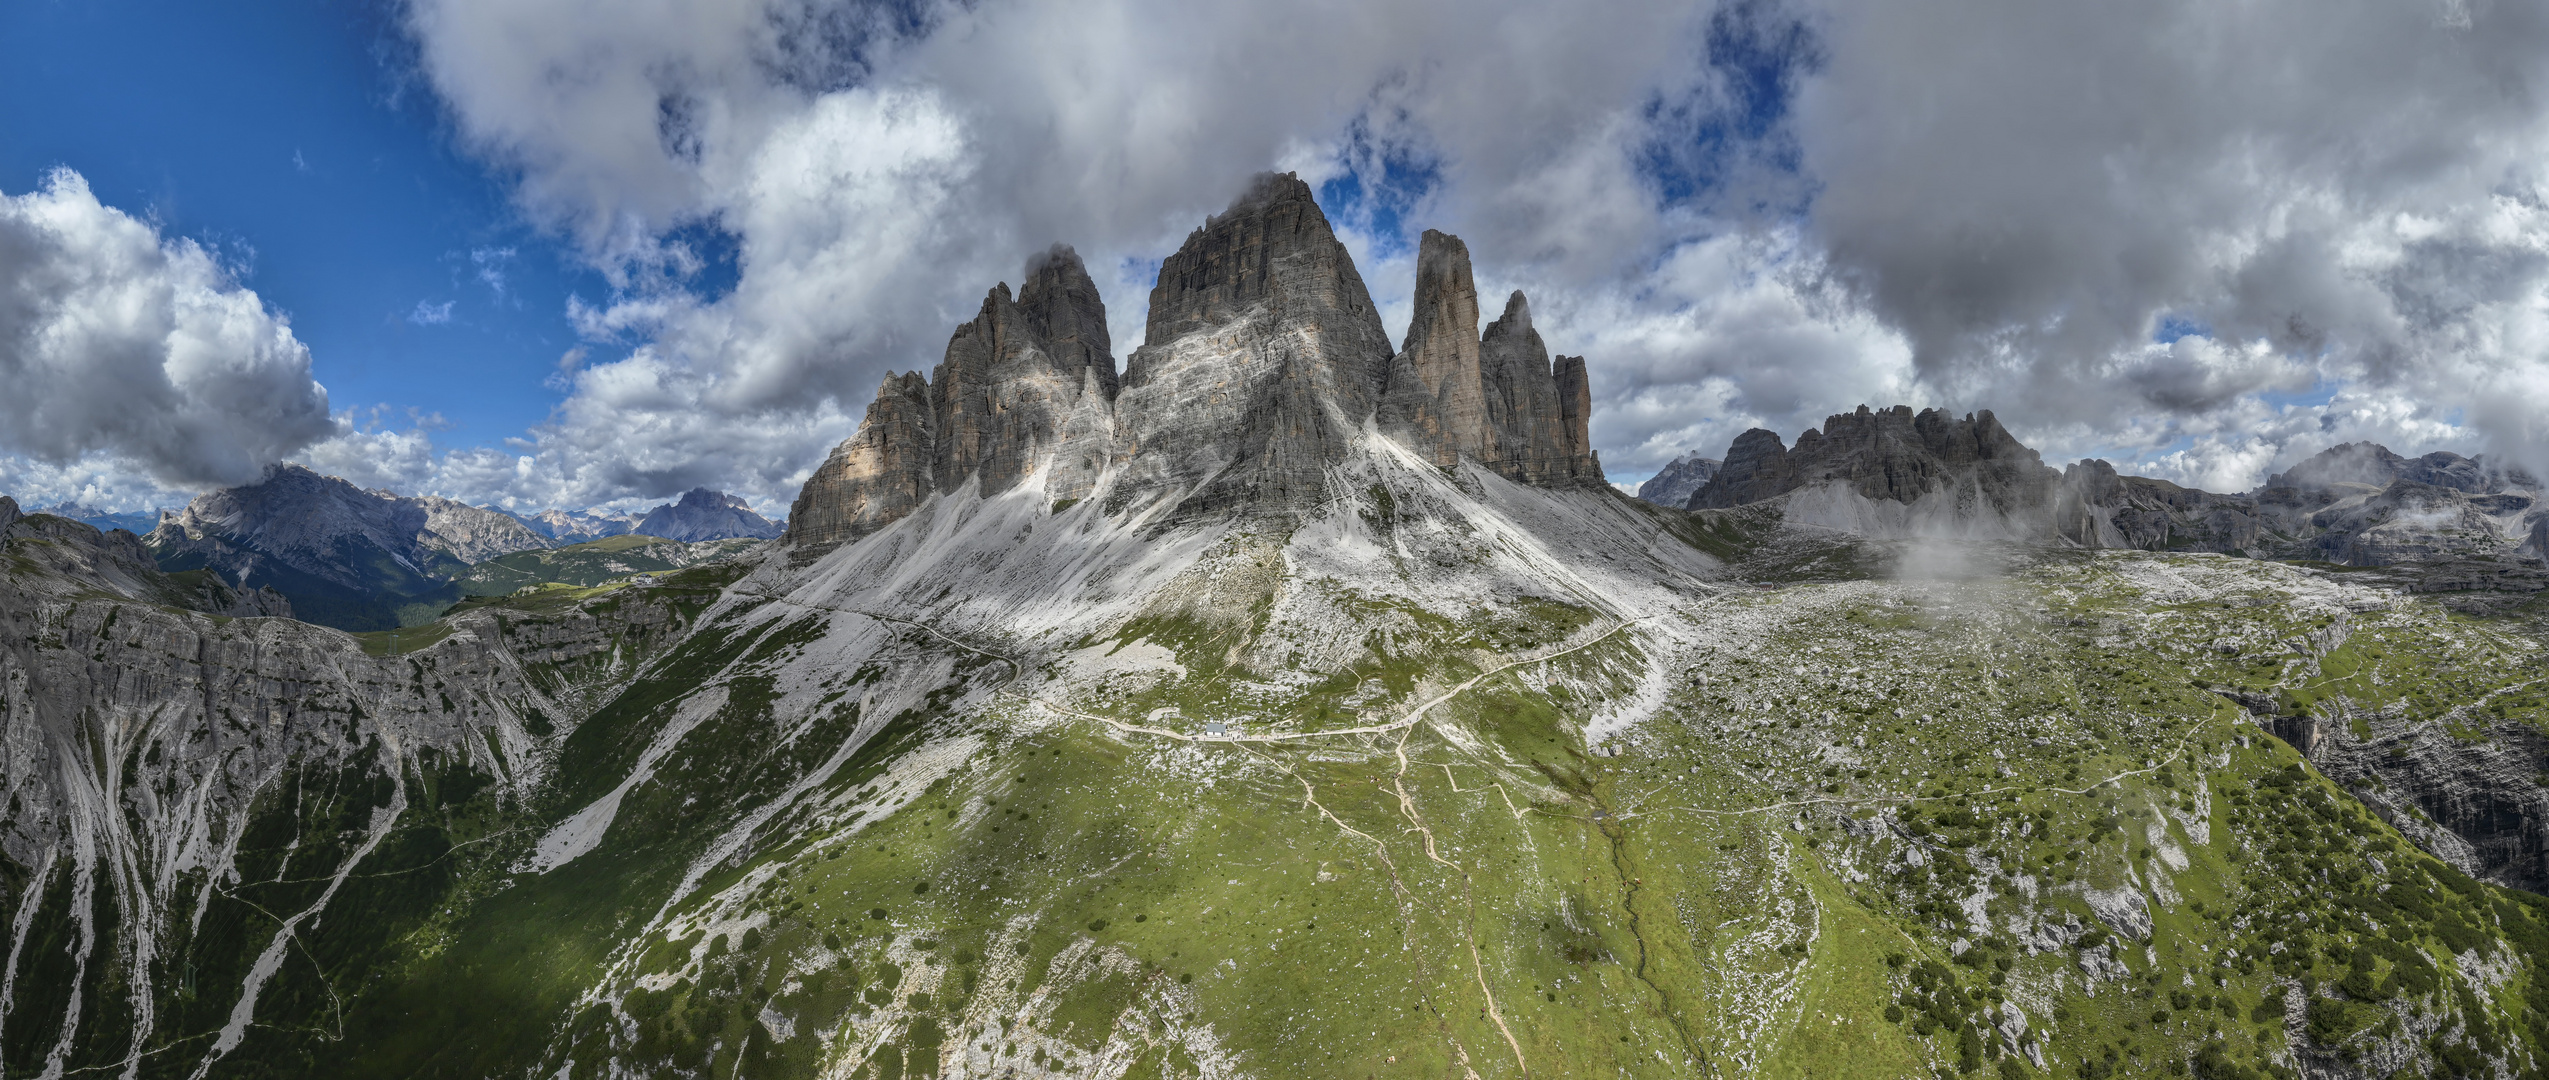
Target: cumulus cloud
2202, 239
2348, 195
125, 351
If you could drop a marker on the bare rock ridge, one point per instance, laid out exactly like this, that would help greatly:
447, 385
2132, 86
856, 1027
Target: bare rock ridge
1263, 362
1890, 454
114, 562
1892, 472
1026, 385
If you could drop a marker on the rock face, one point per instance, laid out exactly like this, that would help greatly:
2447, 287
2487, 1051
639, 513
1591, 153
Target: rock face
1263, 363
1888, 455
1677, 482
155, 756
705, 515
347, 557
2361, 505
2099, 509
115, 561
875, 476
2470, 794
1893, 473
1026, 388
1263, 357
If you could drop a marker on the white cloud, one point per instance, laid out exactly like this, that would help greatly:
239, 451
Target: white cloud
128, 352
1745, 214
429, 313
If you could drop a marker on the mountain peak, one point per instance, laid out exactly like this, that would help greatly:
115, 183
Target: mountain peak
703, 514
1263, 363
1273, 247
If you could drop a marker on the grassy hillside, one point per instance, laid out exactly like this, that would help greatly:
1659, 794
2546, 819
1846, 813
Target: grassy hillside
1876, 827
2011, 814
594, 562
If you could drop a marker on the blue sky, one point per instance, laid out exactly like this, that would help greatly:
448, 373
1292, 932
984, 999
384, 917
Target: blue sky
276, 134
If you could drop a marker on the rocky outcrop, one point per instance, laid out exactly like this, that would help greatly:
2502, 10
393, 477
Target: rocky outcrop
1677, 482
2362, 505
2470, 793
1026, 389
1063, 311
1263, 360
1886, 455
1892, 472
1492, 397
1436, 384
114, 562
702, 514
874, 477
2097, 508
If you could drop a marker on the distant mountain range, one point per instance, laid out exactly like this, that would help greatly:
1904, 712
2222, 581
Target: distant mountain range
137, 522
363, 559
706, 515
1894, 473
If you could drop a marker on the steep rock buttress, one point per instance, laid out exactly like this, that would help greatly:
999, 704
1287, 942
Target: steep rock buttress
1264, 359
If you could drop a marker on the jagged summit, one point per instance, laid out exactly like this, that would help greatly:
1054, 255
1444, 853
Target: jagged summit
1263, 367
1886, 455
1028, 384
1677, 482
1494, 398
1893, 473
347, 557
701, 514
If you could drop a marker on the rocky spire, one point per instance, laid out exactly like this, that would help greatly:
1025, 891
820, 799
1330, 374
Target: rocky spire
1435, 386
1538, 414
1062, 309
1264, 360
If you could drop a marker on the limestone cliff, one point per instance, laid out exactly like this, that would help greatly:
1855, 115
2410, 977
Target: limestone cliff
1494, 397
1263, 363
1262, 359
1025, 388
875, 476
